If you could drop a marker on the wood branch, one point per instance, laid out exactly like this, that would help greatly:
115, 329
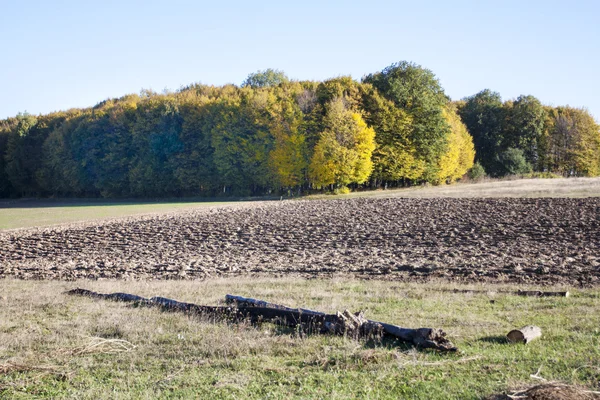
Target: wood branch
524, 335
421, 337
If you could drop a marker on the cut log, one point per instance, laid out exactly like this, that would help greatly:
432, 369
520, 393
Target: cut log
421, 337
524, 335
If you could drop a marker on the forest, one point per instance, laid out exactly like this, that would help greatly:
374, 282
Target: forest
274, 135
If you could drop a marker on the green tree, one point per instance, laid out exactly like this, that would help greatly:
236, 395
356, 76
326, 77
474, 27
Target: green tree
476, 172
513, 162
156, 141
417, 91
525, 120
60, 168
21, 152
484, 116
6, 127
195, 169
242, 142
395, 157
268, 77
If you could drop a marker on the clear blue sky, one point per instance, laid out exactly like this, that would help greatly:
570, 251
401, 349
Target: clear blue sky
61, 54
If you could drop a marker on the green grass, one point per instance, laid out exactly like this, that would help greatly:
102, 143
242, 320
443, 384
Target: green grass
47, 338
42, 213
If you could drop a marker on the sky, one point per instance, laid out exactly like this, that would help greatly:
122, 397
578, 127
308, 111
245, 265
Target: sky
56, 55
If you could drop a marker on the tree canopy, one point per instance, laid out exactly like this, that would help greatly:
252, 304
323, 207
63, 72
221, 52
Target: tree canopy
266, 78
274, 135
515, 137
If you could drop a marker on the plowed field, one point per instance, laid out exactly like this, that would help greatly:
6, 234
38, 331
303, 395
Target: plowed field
537, 241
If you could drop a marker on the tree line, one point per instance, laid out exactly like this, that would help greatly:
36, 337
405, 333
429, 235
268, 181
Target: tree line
273, 135
523, 135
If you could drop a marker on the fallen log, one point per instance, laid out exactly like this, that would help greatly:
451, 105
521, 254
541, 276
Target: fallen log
291, 318
524, 335
532, 293
241, 301
217, 312
539, 293
256, 311
112, 296
421, 337
341, 323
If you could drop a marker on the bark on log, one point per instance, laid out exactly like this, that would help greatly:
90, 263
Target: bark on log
219, 312
524, 335
309, 320
112, 296
246, 301
421, 337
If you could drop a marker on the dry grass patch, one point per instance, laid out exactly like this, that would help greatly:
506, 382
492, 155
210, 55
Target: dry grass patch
558, 187
101, 349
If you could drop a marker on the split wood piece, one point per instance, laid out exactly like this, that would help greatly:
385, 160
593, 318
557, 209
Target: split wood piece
532, 293
421, 337
524, 335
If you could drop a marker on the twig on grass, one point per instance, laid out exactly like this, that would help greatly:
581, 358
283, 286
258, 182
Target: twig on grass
537, 375
104, 346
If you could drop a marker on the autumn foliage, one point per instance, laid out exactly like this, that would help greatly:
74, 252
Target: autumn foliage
276, 135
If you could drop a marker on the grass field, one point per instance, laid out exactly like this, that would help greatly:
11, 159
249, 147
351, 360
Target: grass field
558, 187
53, 345
39, 213
57, 346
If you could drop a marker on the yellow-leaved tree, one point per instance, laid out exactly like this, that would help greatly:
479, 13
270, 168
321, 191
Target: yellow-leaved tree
395, 157
288, 159
572, 142
343, 153
460, 152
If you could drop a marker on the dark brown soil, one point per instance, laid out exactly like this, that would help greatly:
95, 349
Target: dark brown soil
537, 241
